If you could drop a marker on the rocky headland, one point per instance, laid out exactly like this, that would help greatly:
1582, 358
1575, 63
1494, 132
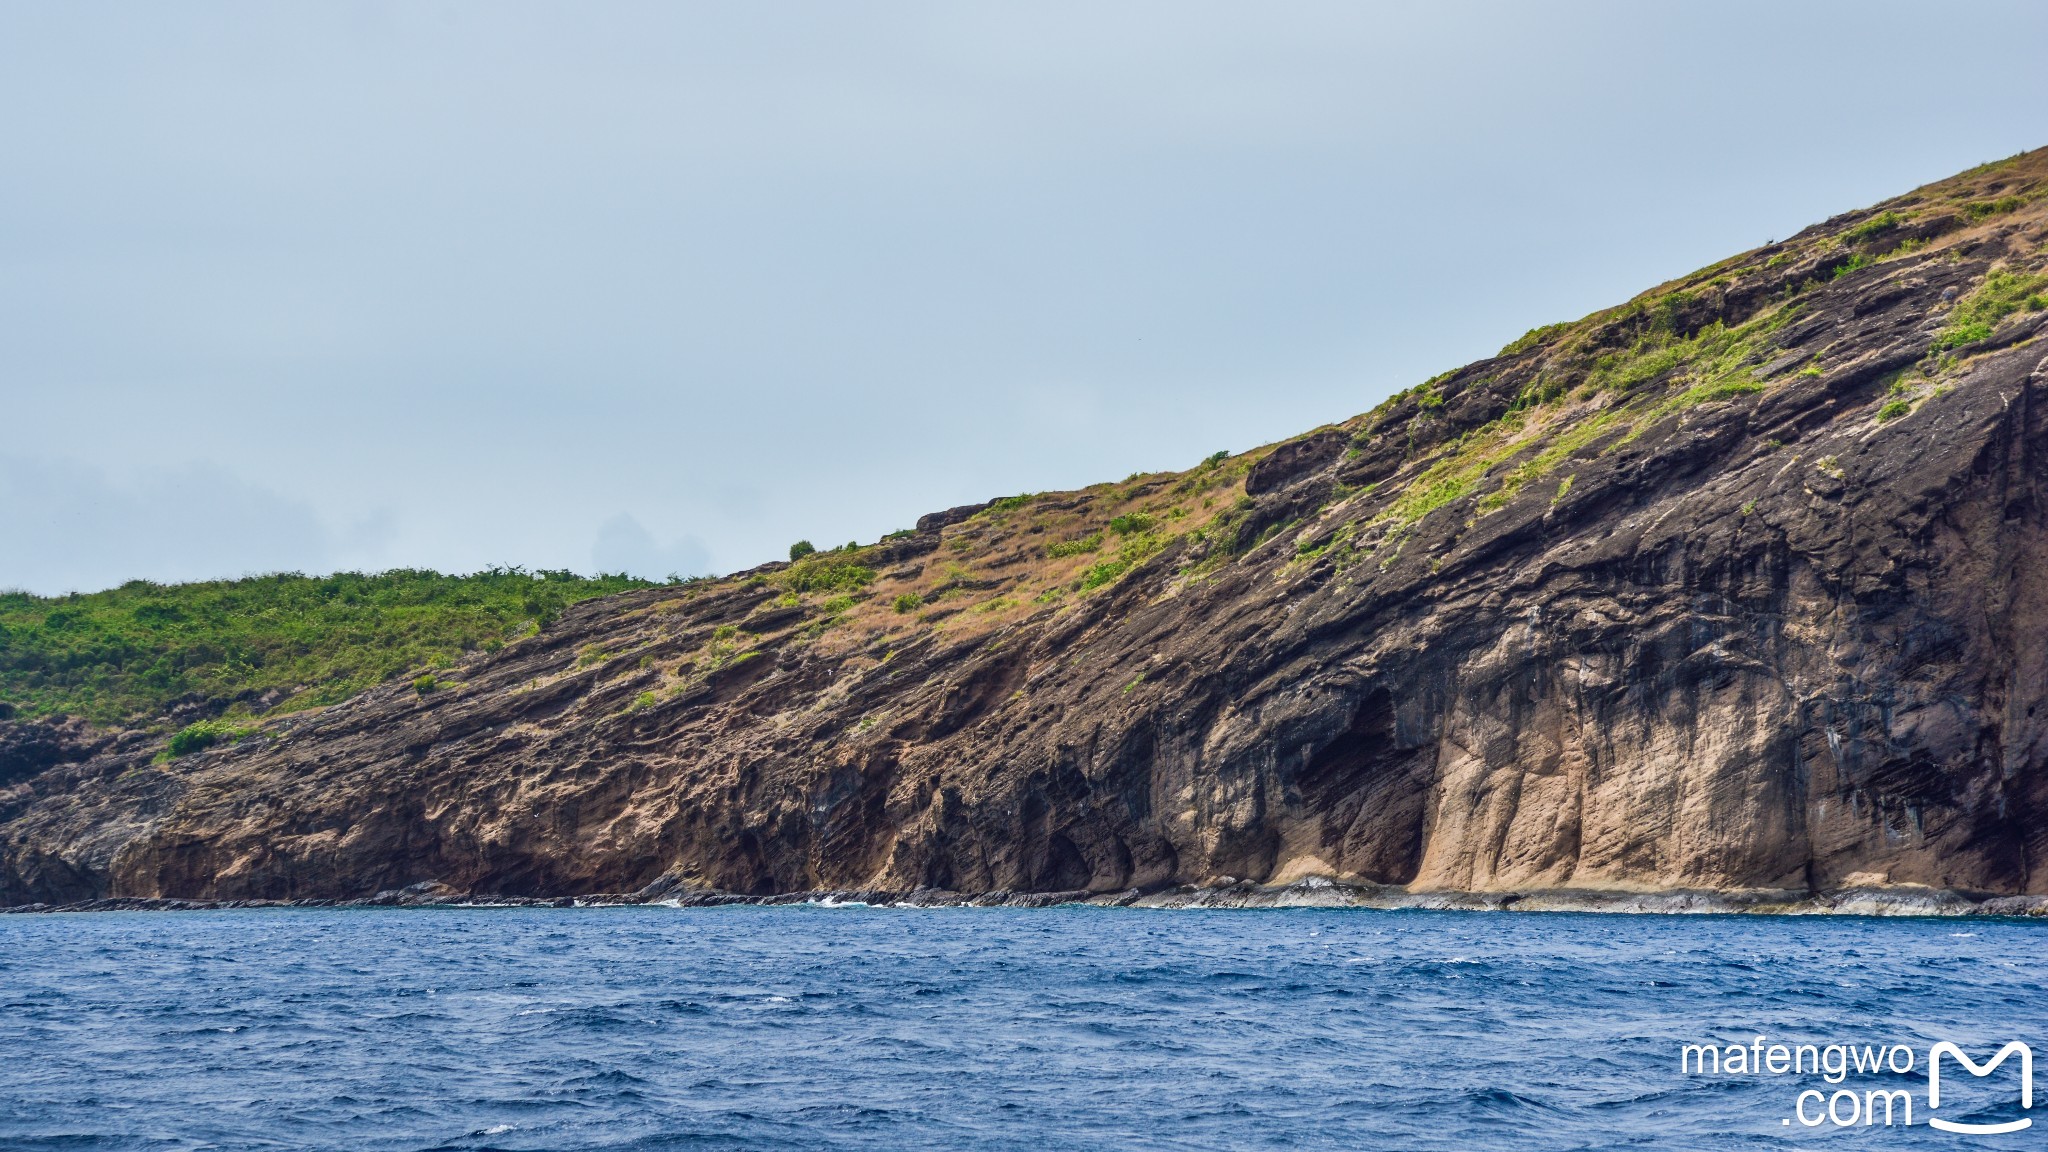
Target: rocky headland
1732, 597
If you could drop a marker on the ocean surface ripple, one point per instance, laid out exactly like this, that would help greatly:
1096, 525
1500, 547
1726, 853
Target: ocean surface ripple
1069, 1028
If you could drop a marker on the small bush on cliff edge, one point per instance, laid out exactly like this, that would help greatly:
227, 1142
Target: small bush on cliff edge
1088, 543
1875, 226
823, 573
204, 734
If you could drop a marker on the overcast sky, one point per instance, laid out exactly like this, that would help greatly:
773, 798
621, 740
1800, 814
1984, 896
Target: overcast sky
664, 287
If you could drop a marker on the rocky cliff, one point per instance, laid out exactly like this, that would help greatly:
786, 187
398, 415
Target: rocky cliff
1742, 585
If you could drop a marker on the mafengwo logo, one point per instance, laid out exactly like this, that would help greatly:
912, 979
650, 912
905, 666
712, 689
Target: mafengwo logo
1945, 1048
1948, 1067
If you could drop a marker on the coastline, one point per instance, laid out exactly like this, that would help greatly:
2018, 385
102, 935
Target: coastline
1312, 892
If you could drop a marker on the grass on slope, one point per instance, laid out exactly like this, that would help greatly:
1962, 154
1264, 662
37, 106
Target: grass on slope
123, 655
1588, 383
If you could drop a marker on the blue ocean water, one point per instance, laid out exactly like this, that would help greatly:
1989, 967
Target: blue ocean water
1070, 1028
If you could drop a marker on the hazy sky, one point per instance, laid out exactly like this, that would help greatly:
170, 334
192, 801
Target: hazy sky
664, 287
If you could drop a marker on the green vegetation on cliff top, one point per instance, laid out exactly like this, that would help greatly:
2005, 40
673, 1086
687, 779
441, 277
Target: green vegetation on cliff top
126, 654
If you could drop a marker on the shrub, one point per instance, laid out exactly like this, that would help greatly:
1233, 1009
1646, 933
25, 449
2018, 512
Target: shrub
1726, 389
817, 574
909, 602
1985, 209
1532, 338
1543, 390
1215, 458
1975, 316
1087, 543
1130, 523
192, 738
1709, 353
425, 683
1101, 574
1957, 335
204, 734
1133, 551
1894, 409
1010, 503
801, 549
1859, 260
1880, 223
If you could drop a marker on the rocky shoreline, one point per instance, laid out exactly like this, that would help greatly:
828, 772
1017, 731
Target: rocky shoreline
1315, 892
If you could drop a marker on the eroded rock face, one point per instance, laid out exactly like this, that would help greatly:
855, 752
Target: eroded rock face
1780, 636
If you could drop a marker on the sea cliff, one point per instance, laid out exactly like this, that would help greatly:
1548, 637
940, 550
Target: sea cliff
1740, 587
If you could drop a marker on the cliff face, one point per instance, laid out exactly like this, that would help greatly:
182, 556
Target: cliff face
1742, 585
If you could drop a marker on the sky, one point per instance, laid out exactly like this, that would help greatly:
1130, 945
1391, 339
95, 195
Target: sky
662, 288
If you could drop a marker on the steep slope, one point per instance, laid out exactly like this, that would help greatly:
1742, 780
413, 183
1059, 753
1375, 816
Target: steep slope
1740, 586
